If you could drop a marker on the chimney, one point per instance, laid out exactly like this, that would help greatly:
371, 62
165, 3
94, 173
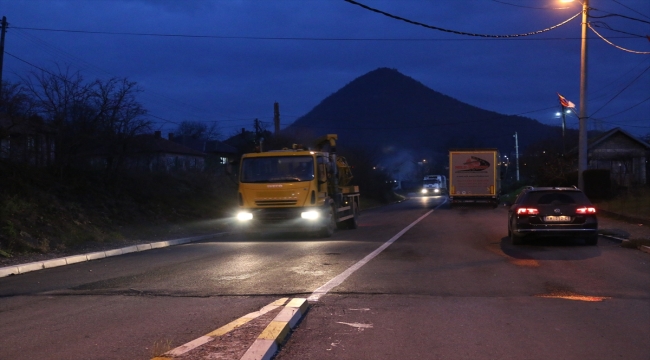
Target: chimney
157, 134
170, 136
276, 117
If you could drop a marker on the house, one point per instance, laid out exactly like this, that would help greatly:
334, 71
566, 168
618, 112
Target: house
151, 152
219, 155
625, 156
27, 140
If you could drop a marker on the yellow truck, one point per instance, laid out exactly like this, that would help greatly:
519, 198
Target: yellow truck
298, 189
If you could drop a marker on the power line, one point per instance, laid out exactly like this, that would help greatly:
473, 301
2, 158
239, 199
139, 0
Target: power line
618, 15
604, 25
460, 32
531, 7
295, 38
629, 8
629, 108
614, 45
619, 93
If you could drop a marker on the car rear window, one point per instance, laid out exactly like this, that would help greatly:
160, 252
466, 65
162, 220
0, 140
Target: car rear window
556, 198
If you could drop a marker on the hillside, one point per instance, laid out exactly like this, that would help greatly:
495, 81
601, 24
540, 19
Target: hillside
388, 109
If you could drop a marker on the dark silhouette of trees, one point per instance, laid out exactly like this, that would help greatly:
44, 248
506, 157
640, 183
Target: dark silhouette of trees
94, 121
198, 130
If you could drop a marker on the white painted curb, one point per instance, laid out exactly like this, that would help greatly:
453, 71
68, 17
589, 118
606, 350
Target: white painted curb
73, 259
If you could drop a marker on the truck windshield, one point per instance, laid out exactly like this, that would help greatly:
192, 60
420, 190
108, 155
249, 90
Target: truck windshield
277, 169
431, 182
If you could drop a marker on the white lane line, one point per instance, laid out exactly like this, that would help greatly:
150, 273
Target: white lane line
336, 281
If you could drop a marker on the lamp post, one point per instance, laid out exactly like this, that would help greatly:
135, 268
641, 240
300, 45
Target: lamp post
582, 116
582, 136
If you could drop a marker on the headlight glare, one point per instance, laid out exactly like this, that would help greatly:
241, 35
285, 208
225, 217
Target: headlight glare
244, 216
310, 215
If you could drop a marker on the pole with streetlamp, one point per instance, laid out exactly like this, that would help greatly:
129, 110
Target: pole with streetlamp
582, 137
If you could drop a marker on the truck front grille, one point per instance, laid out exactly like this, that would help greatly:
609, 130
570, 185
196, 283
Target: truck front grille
276, 202
276, 216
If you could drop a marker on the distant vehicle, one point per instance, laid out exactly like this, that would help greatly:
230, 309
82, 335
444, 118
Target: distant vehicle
474, 176
434, 185
552, 211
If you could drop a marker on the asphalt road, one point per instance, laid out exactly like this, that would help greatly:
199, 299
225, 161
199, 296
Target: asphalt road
451, 287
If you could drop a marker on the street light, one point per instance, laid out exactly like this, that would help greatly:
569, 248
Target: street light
582, 117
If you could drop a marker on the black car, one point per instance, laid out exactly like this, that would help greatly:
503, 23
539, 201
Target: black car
553, 212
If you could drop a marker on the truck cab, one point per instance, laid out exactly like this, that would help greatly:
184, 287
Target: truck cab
297, 189
433, 185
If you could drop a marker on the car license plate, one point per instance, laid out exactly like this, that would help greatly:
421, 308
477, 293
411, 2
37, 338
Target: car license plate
557, 218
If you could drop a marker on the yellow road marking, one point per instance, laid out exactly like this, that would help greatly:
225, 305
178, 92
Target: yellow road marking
575, 297
222, 330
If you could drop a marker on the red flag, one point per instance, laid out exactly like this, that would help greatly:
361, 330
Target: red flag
564, 102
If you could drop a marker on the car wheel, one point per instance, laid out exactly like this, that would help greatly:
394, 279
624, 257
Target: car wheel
516, 239
592, 240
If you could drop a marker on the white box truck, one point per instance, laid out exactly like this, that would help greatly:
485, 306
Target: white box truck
433, 185
474, 176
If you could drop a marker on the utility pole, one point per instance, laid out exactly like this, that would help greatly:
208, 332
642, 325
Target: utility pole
582, 136
2, 50
563, 129
517, 153
276, 117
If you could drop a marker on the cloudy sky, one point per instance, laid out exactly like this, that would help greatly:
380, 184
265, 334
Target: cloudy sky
228, 61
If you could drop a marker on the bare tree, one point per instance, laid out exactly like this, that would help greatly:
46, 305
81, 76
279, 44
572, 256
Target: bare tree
97, 118
15, 108
198, 130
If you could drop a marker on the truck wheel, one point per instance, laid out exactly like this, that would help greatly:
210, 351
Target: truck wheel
351, 223
330, 224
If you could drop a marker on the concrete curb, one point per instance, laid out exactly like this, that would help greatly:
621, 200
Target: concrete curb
73, 259
644, 248
182, 350
615, 238
269, 341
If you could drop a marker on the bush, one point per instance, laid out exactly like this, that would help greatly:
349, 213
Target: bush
41, 210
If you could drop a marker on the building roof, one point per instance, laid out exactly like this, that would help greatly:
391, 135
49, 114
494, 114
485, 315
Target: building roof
600, 139
603, 137
206, 146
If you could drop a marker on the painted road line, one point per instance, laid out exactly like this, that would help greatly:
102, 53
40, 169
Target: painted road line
336, 281
267, 344
179, 351
73, 259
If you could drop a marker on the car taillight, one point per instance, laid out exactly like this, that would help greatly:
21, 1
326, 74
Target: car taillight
527, 211
586, 210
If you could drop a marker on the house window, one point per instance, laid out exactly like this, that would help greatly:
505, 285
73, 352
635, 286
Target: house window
223, 160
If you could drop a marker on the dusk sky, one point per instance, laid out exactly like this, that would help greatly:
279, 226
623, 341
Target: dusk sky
229, 60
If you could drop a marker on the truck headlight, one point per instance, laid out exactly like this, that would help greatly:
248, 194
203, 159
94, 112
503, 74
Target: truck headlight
424, 191
436, 190
244, 216
310, 215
